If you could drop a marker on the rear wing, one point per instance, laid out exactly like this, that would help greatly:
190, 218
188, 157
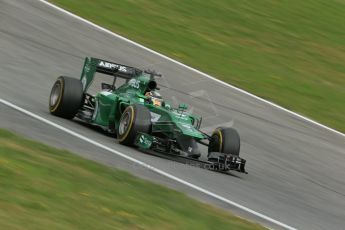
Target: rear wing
93, 65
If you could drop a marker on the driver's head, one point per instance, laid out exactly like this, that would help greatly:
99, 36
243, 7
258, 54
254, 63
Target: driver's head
155, 98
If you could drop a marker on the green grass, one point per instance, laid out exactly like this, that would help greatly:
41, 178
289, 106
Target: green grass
291, 52
46, 188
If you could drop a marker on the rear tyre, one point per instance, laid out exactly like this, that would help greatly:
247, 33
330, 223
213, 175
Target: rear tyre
66, 97
135, 118
225, 140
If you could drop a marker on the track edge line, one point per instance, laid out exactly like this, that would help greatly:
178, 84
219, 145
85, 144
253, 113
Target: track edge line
145, 165
191, 68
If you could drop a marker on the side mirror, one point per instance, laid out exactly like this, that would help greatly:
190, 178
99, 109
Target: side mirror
182, 106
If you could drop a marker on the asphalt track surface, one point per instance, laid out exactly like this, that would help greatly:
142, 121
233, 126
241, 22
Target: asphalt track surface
296, 169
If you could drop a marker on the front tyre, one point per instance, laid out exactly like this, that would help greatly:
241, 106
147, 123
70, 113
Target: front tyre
136, 118
66, 97
225, 140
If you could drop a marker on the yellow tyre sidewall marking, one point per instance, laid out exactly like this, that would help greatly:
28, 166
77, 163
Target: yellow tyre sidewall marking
60, 96
130, 124
218, 132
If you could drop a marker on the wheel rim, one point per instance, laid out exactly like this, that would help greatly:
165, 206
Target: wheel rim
124, 123
54, 96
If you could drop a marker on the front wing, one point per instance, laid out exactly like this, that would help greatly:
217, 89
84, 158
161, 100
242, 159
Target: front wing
216, 161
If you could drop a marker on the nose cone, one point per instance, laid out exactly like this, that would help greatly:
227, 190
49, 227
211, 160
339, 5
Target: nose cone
189, 130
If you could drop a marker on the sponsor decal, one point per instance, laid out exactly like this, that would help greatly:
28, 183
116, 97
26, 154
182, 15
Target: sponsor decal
87, 69
155, 117
181, 115
83, 82
113, 66
145, 141
187, 126
135, 83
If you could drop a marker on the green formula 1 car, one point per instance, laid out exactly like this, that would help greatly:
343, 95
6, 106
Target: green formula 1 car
137, 114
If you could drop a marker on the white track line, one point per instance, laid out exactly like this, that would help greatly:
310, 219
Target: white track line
190, 68
75, 134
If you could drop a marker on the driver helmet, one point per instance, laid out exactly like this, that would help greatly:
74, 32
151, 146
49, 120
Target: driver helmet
155, 98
